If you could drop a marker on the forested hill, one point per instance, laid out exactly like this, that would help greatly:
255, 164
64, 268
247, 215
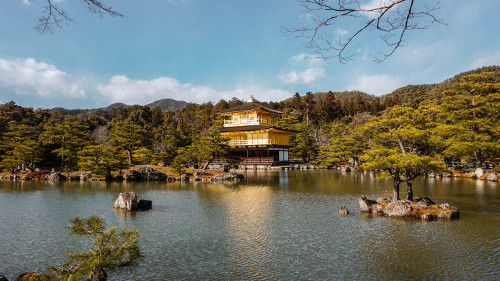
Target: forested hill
464, 110
413, 95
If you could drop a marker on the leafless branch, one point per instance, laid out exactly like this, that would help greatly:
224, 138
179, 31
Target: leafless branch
54, 16
391, 18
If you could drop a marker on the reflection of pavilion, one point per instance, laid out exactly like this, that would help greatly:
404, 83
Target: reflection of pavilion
249, 228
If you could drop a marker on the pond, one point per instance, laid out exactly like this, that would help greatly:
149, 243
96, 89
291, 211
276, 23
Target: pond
270, 226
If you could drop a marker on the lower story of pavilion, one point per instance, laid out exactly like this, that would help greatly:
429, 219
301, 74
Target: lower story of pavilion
258, 155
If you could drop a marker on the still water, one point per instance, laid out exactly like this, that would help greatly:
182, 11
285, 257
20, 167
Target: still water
271, 226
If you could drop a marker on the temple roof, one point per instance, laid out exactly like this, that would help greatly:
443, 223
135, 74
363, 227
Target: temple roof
249, 106
251, 128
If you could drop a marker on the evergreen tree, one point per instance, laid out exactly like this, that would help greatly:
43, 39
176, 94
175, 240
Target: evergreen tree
128, 137
66, 139
20, 147
101, 160
110, 248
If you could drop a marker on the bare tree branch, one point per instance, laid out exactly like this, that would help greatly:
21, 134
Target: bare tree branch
54, 16
390, 18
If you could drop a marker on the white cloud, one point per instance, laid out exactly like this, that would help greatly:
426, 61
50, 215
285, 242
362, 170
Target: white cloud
376, 84
312, 70
487, 60
123, 89
28, 77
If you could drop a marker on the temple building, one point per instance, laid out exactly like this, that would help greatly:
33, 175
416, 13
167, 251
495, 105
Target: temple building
253, 134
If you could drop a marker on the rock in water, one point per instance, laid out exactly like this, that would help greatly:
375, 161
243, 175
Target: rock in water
54, 177
145, 204
398, 209
424, 201
3, 278
133, 175
343, 211
150, 174
479, 172
492, 177
184, 177
85, 176
126, 201
365, 203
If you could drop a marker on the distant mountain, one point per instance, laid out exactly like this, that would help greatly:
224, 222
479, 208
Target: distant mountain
163, 104
113, 106
168, 104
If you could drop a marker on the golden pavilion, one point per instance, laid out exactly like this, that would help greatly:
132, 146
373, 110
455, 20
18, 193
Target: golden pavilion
253, 134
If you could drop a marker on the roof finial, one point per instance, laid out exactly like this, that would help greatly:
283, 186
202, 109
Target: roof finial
251, 99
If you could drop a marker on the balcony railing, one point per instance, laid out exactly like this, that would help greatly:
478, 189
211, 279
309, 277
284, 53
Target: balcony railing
250, 142
230, 123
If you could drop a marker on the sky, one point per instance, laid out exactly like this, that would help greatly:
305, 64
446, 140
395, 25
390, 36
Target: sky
206, 50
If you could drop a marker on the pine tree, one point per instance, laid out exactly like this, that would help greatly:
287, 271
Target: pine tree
111, 248
66, 139
20, 147
128, 137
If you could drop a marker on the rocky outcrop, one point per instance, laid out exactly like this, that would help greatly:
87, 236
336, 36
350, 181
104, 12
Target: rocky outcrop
85, 176
423, 208
3, 278
365, 204
399, 208
479, 172
133, 175
492, 177
126, 201
150, 174
145, 204
55, 177
343, 211
184, 177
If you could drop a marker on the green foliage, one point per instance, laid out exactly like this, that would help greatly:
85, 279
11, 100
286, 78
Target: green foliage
65, 140
101, 160
128, 137
110, 248
20, 147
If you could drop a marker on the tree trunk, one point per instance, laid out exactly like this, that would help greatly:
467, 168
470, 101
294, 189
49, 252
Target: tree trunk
397, 182
395, 195
479, 160
129, 151
205, 167
409, 188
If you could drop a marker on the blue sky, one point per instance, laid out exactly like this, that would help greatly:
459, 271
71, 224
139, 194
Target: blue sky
201, 50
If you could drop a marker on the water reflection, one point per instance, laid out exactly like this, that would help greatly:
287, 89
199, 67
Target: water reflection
272, 225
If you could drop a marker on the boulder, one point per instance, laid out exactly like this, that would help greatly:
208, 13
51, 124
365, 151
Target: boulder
145, 204
427, 217
365, 203
150, 174
346, 169
126, 201
479, 172
398, 209
233, 176
85, 176
74, 178
492, 177
3, 278
343, 211
218, 178
119, 178
184, 177
25, 178
424, 201
54, 177
133, 175
377, 209
448, 214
